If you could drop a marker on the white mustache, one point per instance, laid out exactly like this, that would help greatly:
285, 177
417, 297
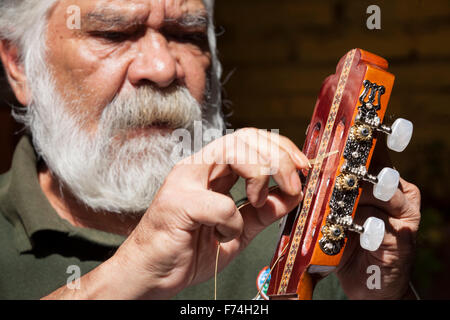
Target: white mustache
172, 107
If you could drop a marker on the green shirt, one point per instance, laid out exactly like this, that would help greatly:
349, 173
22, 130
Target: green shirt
39, 249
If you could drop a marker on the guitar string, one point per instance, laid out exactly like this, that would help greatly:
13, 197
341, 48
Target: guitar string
321, 158
271, 269
215, 271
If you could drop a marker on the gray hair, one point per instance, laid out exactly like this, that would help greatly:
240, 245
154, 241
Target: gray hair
216, 68
24, 22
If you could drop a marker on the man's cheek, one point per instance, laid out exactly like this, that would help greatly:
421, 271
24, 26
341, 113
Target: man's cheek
196, 82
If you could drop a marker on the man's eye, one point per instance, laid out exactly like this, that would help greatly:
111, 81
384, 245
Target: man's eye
197, 38
112, 36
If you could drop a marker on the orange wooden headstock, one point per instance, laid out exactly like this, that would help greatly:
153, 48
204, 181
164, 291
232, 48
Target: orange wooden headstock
347, 118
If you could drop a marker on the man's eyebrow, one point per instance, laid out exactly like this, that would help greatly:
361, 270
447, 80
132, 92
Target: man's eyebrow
107, 19
190, 20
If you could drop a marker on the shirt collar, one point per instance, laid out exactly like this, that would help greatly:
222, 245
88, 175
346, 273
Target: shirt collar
27, 208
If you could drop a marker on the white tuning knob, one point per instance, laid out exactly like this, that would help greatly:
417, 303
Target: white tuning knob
386, 185
373, 234
400, 135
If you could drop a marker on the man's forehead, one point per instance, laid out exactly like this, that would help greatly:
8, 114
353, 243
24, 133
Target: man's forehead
138, 9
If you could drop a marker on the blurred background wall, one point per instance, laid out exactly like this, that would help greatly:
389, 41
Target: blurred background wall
276, 54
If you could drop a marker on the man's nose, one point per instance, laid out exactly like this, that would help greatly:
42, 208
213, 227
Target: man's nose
154, 62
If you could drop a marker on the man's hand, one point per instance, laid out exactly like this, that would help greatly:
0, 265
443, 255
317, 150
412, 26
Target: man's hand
394, 257
175, 243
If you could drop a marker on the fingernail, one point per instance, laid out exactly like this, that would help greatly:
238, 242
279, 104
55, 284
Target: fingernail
301, 161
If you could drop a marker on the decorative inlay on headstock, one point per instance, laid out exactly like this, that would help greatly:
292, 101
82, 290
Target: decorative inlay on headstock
356, 153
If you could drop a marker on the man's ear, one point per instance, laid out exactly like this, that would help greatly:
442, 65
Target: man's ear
15, 71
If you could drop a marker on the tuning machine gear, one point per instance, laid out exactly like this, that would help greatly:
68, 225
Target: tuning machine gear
385, 183
371, 233
399, 133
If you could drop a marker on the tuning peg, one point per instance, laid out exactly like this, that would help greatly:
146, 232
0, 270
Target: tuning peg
372, 235
399, 134
386, 184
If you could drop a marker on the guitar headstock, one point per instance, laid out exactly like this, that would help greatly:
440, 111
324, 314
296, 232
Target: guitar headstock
347, 120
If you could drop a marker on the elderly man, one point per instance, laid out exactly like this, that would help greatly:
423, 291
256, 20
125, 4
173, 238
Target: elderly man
94, 184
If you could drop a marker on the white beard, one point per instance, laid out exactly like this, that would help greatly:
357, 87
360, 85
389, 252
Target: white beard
105, 170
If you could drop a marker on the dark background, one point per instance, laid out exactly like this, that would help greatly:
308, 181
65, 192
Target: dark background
276, 54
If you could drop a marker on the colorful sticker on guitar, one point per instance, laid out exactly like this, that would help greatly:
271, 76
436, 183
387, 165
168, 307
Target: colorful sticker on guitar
263, 281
